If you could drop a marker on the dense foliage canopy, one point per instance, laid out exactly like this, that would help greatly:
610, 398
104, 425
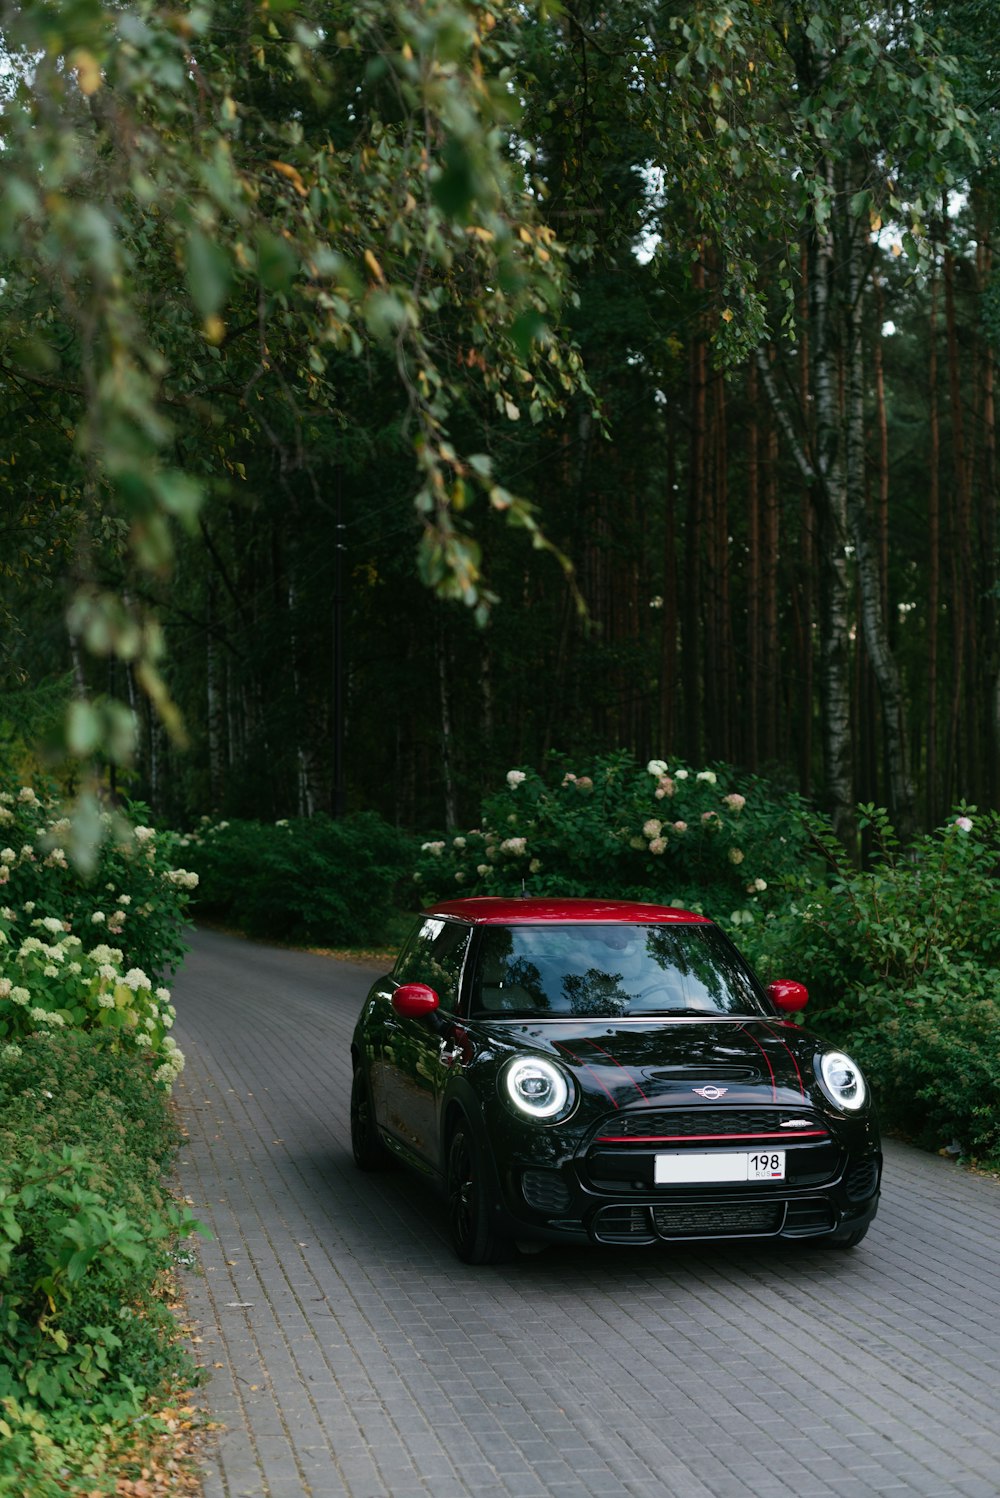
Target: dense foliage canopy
272, 274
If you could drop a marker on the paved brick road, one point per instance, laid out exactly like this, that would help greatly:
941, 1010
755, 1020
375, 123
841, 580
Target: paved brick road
353, 1355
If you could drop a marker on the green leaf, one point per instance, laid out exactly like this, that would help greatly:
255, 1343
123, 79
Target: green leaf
208, 272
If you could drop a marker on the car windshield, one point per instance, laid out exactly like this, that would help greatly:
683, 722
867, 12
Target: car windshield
610, 971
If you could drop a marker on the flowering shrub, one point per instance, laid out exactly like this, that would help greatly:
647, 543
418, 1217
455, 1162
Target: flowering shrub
708, 840
315, 880
134, 896
49, 981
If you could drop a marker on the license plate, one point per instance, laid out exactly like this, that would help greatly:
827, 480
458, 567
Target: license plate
704, 1169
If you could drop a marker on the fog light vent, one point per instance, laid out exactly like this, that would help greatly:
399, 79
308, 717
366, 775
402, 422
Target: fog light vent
622, 1224
545, 1191
862, 1181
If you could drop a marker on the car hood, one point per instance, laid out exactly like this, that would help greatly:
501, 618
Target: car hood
667, 1062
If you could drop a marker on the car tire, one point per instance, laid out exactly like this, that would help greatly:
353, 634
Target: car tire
473, 1236
844, 1240
369, 1151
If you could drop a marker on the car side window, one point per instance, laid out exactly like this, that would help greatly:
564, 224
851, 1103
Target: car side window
435, 956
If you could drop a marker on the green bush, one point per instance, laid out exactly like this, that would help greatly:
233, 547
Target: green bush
902, 963
315, 880
708, 840
934, 1060
858, 938
86, 1233
134, 896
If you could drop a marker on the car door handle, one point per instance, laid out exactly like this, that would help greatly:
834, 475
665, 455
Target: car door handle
449, 1053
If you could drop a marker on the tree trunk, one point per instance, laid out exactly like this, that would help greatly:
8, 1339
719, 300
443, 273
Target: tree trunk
902, 792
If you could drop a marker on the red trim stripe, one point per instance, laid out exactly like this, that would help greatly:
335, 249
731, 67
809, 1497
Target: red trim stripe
699, 1138
774, 1085
791, 1053
617, 1063
580, 1062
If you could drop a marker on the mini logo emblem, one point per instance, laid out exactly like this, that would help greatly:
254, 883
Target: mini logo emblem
710, 1092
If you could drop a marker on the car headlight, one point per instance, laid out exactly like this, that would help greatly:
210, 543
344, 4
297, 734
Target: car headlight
537, 1088
842, 1081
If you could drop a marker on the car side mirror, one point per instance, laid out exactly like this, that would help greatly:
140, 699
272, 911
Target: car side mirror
787, 996
415, 1001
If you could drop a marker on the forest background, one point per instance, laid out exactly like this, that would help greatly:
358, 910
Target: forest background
394, 393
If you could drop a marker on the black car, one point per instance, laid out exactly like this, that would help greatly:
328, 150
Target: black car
607, 1072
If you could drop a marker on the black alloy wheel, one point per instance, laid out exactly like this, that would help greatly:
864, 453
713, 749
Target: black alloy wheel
473, 1236
369, 1151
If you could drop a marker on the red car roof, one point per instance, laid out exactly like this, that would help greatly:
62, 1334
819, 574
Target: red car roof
493, 910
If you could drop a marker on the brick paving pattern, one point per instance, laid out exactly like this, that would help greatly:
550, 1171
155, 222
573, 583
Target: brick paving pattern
351, 1354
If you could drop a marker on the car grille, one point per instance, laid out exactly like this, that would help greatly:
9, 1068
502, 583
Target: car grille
624, 1224
705, 1123
718, 1219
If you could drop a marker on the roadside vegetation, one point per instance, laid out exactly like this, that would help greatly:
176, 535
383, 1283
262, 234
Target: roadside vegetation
901, 957
92, 1368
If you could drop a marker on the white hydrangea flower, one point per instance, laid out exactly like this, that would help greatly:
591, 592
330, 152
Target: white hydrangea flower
50, 970
735, 855
46, 1017
135, 979
7, 855
124, 899
514, 847
97, 919
656, 767
163, 994
105, 1001
142, 1038
5, 987
10, 1053
680, 774
75, 969
144, 834
29, 907
652, 828
515, 778
658, 845
708, 776
20, 996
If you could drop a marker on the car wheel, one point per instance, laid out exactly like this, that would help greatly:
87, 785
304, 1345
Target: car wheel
473, 1236
369, 1151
